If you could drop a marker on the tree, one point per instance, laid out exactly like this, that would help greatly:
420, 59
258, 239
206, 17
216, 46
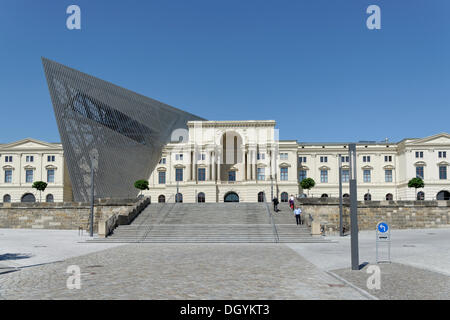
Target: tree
416, 183
40, 186
141, 185
307, 184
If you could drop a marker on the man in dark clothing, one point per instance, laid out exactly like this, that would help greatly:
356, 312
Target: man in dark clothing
275, 204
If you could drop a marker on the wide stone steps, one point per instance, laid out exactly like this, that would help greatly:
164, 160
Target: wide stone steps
210, 223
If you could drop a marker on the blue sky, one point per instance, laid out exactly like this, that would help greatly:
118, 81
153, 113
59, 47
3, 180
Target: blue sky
313, 66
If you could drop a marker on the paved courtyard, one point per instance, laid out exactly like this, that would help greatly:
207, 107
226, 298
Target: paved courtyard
33, 265
171, 271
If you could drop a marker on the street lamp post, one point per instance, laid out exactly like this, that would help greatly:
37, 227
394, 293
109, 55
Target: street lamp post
353, 207
91, 228
341, 229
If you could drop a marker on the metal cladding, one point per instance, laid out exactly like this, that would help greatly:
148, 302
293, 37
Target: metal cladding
118, 132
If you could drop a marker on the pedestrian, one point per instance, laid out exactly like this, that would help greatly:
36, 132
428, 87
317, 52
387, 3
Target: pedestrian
291, 202
275, 204
298, 213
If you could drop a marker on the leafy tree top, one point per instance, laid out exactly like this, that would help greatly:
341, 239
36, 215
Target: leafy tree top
307, 183
416, 183
141, 185
39, 185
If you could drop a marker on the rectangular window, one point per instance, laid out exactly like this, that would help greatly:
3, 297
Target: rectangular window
51, 175
366, 158
345, 175
324, 176
284, 174
201, 156
443, 172
261, 174
388, 175
162, 161
162, 177
344, 159
179, 174
29, 158
323, 159
283, 156
201, 174
302, 175
387, 158
29, 176
419, 172
260, 156
442, 154
366, 175
179, 156
231, 175
50, 158
8, 158
8, 176
419, 154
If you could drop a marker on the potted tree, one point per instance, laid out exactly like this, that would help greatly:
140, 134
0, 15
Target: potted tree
141, 185
416, 183
40, 186
307, 184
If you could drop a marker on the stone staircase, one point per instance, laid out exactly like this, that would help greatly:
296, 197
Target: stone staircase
210, 223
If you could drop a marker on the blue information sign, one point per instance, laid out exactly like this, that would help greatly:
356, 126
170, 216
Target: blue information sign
383, 227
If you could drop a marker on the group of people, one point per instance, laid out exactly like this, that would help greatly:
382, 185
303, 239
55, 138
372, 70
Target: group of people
297, 211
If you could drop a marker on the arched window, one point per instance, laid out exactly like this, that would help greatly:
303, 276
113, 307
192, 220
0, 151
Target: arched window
420, 195
231, 197
179, 198
389, 197
443, 195
284, 197
261, 196
161, 199
346, 195
324, 195
367, 197
28, 197
49, 198
201, 197
6, 198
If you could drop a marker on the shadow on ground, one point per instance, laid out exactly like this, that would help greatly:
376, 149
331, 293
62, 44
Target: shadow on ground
14, 256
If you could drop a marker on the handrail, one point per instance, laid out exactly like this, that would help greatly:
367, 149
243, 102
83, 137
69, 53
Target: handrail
274, 227
158, 212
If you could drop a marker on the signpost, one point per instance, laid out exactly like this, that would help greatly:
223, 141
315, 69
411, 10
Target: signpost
383, 234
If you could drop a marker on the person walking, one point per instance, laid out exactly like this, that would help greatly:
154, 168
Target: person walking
275, 204
298, 213
291, 202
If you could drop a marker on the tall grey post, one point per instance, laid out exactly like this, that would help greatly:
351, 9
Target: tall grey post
353, 207
341, 229
91, 218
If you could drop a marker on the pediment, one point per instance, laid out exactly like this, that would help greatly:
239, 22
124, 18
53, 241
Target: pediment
30, 144
438, 139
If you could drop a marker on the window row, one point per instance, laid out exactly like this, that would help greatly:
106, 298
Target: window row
420, 172
367, 175
29, 176
28, 197
50, 158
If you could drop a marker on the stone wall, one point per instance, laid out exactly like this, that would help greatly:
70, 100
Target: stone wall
67, 215
398, 214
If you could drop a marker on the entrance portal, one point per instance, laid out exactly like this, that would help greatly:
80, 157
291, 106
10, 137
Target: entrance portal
231, 197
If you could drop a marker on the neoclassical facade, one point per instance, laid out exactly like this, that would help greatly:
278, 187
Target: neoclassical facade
26, 161
217, 161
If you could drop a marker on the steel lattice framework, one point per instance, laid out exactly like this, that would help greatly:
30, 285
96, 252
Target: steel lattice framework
118, 132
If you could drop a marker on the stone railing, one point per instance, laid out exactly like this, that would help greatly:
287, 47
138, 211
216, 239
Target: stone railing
106, 226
